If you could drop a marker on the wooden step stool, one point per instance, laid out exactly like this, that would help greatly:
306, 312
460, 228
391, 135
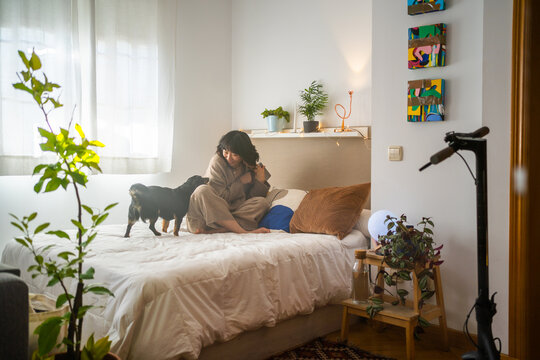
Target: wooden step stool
399, 315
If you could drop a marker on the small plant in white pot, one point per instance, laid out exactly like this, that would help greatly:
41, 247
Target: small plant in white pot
75, 158
276, 118
314, 100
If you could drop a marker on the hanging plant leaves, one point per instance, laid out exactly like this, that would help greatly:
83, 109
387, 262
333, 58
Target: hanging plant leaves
407, 248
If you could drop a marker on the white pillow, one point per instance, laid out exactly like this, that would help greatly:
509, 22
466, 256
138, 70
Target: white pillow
290, 198
356, 240
362, 223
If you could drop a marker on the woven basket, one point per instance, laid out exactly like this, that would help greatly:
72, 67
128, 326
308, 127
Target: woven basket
41, 307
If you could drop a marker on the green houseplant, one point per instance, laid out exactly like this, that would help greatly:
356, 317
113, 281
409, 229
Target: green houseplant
405, 249
313, 101
274, 118
74, 159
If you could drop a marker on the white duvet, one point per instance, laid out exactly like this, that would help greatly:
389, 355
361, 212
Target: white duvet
175, 295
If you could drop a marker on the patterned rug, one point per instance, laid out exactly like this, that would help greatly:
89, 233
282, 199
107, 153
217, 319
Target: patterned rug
321, 349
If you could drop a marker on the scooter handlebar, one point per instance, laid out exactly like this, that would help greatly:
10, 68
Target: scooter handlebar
441, 155
451, 138
478, 133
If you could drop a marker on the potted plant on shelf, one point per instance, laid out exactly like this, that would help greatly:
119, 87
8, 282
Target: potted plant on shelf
405, 249
74, 159
314, 100
275, 118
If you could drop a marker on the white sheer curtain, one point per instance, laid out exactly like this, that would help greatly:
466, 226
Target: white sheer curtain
114, 61
47, 27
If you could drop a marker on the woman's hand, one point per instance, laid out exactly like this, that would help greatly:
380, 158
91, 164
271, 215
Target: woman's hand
259, 173
246, 178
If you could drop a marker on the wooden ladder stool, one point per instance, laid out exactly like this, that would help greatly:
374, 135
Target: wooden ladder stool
399, 315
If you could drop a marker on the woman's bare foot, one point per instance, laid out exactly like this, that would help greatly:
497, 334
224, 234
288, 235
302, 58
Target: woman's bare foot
261, 230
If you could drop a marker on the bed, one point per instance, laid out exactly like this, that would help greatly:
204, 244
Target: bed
209, 296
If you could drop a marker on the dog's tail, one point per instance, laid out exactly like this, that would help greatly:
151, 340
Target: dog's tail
133, 214
138, 193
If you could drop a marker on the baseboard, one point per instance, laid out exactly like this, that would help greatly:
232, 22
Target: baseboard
457, 338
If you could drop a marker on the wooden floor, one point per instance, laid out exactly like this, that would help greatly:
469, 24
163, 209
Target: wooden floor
389, 341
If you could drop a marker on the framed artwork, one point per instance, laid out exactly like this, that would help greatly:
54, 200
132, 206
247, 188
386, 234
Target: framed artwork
425, 100
415, 7
427, 46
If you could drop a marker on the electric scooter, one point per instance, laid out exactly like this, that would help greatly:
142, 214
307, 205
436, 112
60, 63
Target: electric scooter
484, 306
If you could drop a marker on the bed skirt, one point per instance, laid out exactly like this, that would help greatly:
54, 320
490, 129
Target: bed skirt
267, 341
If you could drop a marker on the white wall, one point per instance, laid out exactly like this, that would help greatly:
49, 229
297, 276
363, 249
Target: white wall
496, 91
280, 46
477, 93
202, 115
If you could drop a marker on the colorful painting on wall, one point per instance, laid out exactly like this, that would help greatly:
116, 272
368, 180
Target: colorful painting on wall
427, 46
415, 7
425, 100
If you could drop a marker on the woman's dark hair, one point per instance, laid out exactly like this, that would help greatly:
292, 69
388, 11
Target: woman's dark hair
239, 143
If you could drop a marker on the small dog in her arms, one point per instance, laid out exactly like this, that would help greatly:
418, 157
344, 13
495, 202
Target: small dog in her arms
151, 202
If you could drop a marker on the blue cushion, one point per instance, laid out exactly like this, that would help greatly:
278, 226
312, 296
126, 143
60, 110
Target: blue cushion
278, 218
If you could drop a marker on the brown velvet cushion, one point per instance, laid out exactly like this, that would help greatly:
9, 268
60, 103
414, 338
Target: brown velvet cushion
332, 211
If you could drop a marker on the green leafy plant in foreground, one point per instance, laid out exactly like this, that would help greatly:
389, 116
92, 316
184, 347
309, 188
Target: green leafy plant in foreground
406, 249
279, 112
74, 158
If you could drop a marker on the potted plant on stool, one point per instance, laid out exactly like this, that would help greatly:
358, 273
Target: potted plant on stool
275, 118
75, 158
314, 101
406, 249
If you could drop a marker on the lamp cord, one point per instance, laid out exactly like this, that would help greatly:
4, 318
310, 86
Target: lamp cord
468, 167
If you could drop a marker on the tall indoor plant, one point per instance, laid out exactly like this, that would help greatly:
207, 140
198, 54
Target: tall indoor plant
75, 158
313, 101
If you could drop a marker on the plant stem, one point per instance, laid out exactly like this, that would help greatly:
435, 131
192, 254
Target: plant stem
46, 117
80, 285
76, 303
74, 327
66, 292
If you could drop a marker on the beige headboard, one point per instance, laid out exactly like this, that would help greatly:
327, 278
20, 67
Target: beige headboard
311, 163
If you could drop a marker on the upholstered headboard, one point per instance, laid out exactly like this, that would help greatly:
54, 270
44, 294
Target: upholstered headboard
314, 163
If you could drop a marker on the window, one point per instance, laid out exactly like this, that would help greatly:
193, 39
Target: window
115, 63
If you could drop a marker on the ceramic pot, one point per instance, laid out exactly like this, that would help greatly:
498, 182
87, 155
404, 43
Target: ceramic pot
311, 126
275, 124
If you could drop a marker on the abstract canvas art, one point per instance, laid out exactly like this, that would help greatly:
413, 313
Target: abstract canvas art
415, 7
427, 46
425, 100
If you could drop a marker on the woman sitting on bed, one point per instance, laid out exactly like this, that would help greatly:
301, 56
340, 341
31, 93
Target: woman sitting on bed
234, 198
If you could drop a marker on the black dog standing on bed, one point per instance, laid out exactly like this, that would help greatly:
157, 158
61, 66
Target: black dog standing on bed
151, 202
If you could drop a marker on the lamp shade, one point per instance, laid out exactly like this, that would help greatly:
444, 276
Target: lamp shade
376, 225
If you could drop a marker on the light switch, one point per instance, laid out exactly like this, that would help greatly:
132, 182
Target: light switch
395, 153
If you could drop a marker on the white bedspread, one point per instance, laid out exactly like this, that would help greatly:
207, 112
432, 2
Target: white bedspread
174, 295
